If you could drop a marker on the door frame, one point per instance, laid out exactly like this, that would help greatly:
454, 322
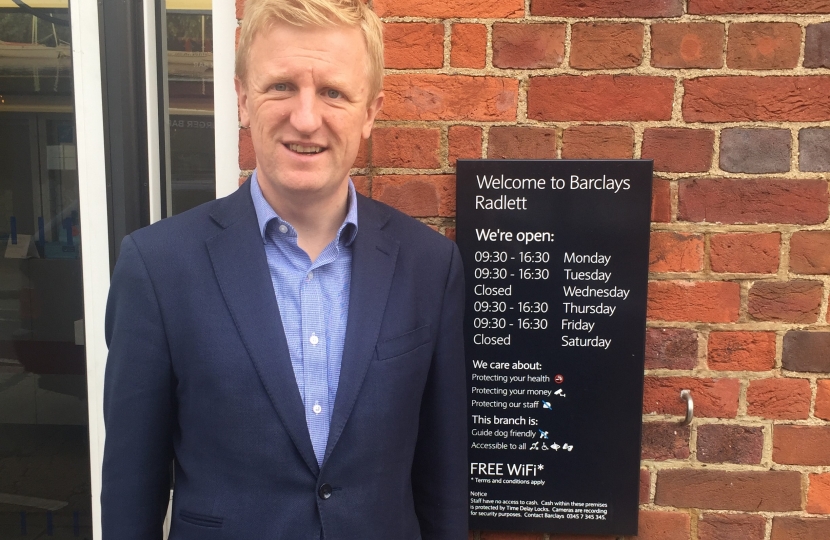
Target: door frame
92, 192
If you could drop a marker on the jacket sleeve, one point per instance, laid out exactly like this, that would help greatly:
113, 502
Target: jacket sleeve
138, 405
439, 478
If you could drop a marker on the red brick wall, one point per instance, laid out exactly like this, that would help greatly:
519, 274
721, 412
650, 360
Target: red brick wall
731, 99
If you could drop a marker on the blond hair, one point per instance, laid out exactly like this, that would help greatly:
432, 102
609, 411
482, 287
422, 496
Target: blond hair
260, 15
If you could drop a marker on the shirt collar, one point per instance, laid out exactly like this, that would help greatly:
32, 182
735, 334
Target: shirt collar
265, 213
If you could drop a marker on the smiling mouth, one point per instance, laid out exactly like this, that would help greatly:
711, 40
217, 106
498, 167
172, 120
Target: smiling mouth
302, 149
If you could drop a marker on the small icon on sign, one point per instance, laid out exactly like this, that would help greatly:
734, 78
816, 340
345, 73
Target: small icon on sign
545, 447
534, 446
567, 447
558, 379
559, 393
543, 434
546, 405
555, 447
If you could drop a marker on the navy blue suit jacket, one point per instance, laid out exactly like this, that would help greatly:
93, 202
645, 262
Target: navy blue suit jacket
199, 373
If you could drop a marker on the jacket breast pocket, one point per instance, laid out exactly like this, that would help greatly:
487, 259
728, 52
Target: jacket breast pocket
400, 345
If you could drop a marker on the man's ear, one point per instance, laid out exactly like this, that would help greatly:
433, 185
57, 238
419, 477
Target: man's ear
242, 102
371, 112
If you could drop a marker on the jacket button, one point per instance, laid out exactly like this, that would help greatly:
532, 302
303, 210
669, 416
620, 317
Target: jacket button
324, 491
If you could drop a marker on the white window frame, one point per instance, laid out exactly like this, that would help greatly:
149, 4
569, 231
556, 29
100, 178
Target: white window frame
225, 114
95, 257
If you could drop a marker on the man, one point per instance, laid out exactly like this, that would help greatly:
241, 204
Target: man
295, 349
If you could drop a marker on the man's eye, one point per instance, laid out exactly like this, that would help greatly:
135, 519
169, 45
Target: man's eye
280, 87
333, 94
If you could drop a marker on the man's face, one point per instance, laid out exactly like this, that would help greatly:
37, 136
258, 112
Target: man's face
307, 103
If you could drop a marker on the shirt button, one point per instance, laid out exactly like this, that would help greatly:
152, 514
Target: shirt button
317, 408
283, 229
310, 276
324, 491
314, 339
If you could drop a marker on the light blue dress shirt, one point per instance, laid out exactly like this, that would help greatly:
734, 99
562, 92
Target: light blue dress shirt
313, 299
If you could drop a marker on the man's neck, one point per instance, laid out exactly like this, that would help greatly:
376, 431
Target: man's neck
316, 219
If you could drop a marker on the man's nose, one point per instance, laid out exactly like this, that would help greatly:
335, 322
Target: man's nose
305, 117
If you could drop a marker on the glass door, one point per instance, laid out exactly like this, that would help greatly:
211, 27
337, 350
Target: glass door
54, 269
45, 481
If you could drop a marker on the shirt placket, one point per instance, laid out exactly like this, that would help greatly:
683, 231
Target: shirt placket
315, 364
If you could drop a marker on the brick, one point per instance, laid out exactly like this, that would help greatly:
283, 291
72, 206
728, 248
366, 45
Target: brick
796, 528
755, 491
598, 142
606, 45
362, 159
656, 525
755, 150
361, 185
607, 8
814, 149
406, 147
818, 495
665, 440
675, 252
768, 200
528, 46
468, 44
717, 7
817, 46
715, 398
679, 149
694, 301
806, 351
660, 199
731, 527
486, 9
416, 195
810, 252
449, 97
247, 156
779, 398
464, 143
671, 348
515, 142
645, 486
755, 253
600, 98
449, 232
741, 351
796, 301
413, 45
763, 45
718, 443
750, 98
801, 445
823, 399
687, 45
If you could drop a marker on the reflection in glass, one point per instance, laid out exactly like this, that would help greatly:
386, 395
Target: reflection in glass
190, 89
44, 441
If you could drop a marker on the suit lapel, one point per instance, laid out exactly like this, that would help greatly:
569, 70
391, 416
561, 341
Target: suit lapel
241, 268
374, 253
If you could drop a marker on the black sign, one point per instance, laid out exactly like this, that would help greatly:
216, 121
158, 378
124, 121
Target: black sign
556, 264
